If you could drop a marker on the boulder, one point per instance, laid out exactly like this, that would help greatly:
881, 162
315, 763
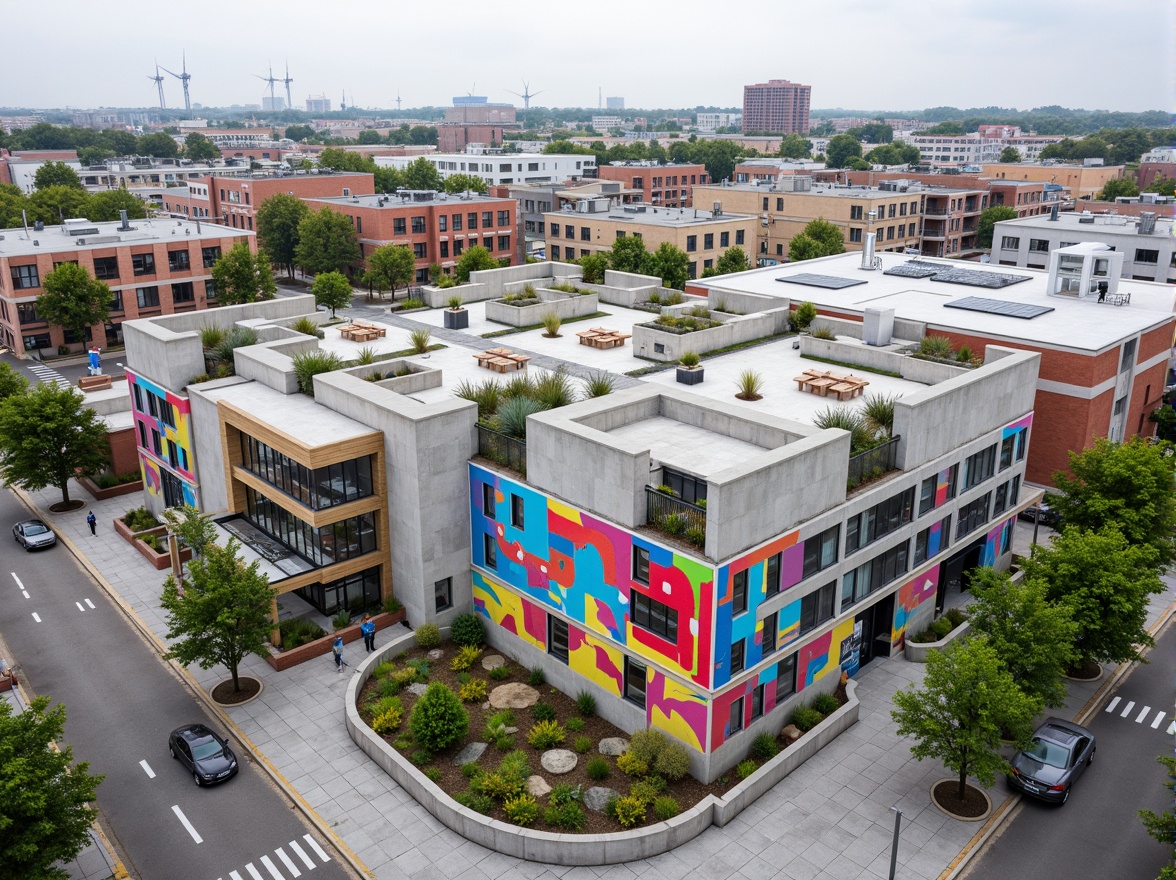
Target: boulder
470, 753
493, 661
513, 695
559, 761
538, 786
614, 745
436, 654
595, 798
417, 688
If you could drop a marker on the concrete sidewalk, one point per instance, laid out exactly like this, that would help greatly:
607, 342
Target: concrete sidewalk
830, 819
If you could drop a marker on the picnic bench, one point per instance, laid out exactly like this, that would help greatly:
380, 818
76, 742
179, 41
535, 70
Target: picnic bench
360, 332
600, 337
826, 383
94, 383
501, 360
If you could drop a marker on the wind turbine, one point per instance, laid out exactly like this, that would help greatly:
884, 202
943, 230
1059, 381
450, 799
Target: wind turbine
526, 95
184, 78
287, 81
398, 100
159, 83
271, 79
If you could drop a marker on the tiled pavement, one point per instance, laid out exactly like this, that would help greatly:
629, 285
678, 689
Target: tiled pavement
830, 819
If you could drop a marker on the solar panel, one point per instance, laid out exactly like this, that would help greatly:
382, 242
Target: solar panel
956, 275
913, 269
998, 307
829, 282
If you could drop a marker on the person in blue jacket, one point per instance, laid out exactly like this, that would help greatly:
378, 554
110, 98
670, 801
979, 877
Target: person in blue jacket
368, 628
337, 650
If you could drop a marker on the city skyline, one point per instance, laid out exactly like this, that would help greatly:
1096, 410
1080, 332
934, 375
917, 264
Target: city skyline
991, 54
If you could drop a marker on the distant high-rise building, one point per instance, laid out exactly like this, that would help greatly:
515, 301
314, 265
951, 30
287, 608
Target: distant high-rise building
274, 103
777, 106
614, 103
321, 104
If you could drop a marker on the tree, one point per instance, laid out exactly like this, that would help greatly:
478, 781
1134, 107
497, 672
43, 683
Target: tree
989, 217
224, 612
11, 382
194, 529
968, 700
390, 266
72, 299
299, 132
199, 148
106, 206
893, 153
594, 265
1105, 581
820, 238
326, 243
1113, 189
47, 810
241, 276
671, 265
733, 259
341, 160
278, 218
48, 436
369, 136
628, 254
56, 174
1033, 637
456, 183
475, 259
160, 145
388, 179
842, 147
333, 290
794, 146
1010, 154
1163, 826
422, 174
55, 203
1131, 486
12, 202
1165, 186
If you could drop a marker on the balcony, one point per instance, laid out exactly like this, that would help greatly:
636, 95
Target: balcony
868, 466
936, 212
503, 449
677, 518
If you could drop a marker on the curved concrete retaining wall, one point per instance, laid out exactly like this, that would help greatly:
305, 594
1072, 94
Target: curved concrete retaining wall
917, 653
578, 849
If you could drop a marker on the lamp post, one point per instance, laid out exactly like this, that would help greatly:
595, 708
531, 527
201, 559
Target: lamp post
894, 842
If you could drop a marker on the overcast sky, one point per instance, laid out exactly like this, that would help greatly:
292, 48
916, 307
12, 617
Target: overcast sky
862, 54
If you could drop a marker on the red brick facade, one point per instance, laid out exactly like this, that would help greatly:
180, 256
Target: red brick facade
235, 200
671, 186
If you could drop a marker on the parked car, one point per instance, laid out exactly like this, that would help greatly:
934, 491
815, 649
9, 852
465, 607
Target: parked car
1043, 514
1060, 751
205, 753
33, 534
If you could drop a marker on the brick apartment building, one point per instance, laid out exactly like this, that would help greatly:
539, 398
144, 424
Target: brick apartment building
667, 185
153, 267
777, 106
438, 227
1026, 197
1081, 180
453, 137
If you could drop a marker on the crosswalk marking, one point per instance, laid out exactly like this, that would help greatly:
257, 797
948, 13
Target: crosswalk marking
233, 875
49, 375
269, 866
1159, 719
36, 617
302, 855
1127, 711
253, 872
91, 604
288, 862
1146, 711
80, 607
318, 849
1112, 704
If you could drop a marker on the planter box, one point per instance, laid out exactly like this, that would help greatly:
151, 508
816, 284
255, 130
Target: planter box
917, 653
565, 305
100, 494
459, 320
161, 561
321, 647
690, 376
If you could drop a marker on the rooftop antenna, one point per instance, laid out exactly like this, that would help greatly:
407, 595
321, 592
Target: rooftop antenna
343, 103
184, 78
159, 84
599, 98
526, 95
398, 100
287, 81
271, 79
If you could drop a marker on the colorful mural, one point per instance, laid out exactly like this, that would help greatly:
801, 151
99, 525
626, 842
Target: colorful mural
915, 605
997, 542
676, 709
594, 660
723, 703
823, 654
154, 410
509, 611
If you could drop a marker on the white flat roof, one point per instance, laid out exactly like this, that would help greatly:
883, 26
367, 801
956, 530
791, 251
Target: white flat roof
686, 447
106, 234
293, 414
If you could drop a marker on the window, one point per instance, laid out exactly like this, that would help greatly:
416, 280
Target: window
785, 678
635, 680
471, 220
736, 723
855, 212
973, 515
772, 574
1009, 243
116, 303
148, 297
504, 218
855, 235
652, 615
399, 226
444, 249
442, 223
928, 491
1001, 499
585, 233
739, 592
569, 231
691, 243
757, 702
184, 292
1146, 256
27, 313
504, 242
24, 277
210, 289
487, 220
420, 250
516, 511
557, 638
889, 232
1038, 246
456, 222
458, 246
418, 225
770, 631
641, 565
177, 261
555, 252
765, 203
488, 500
143, 264
37, 340
555, 231
708, 241
891, 214
932, 540
106, 268
820, 551
490, 551
817, 607
902, 209
724, 239
738, 236
209, 255
1127, 358
1015, 490
879, 521
979, 467
738, 656
873, 575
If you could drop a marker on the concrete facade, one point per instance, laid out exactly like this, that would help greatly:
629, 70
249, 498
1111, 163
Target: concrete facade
498, 168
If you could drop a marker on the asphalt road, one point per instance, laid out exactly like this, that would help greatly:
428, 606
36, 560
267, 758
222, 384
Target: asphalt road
1097, 834
74, 645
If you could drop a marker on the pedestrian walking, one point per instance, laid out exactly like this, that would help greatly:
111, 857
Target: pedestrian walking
337, 650
92, 522
368, 628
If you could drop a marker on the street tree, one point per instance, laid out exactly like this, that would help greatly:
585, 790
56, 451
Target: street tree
1113, 189
11, 382
1131, 486
326, 243
421, 174
594, 265
56, 203
629, 254
389, 267
794, 146
1010, 154
967, 702
820, 238
733, 259
671, 265
224, 612
47, 798
475, 259
342, 160
842, 148
242, 276
194, 529
332, 290
989, 217
1163, 826
199, 148
72, 299
1105, 581
105, 206
48, 436
388, 179
277, 227
369, 136
161, 145
1033, 637
56, 174
12, 202
456, 183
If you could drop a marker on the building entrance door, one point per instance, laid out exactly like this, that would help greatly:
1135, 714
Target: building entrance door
956, 571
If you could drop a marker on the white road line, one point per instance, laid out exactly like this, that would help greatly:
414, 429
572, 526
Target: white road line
302, 855
1159, 719
1112, 704
233, 875
80, 606
36, 617
18, 583
1146, 711
318, 849
184, 821
1171, 728
91, 604
25, 593
1127, 711
147, 769
269, 866
288, 862
253, 872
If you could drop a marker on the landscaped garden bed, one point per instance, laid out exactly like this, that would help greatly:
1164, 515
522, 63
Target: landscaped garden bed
304, 640
105, 486
146, 534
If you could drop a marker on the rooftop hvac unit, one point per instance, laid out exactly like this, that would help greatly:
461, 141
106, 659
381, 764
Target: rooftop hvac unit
1147, 222
717, 208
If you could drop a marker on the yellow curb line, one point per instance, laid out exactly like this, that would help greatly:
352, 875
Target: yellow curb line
998, 818
305, 808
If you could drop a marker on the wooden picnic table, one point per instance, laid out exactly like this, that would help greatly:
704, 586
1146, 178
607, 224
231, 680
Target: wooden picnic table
599, 337
500, 360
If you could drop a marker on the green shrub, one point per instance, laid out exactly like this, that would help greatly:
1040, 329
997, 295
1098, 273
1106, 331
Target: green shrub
342, 620
555, 389
454, 302
419, 667
365, 356
764, 747
487, 395
499, 673
469, 770
521, 809
497, 723
304, 325
536, 678
468, 631
597, 769
389, 719
936, 346
598, 384
689, 359
964, 355
631, 765
647, 790
384, 669
296, 631
658, 753
153, 542
956, 616
586, 704
582, 744
474, 691
421, 757
654, 298
419, 338
826, 704
433, 774
140, 519
665, 808
746, 768
464, 678
504, 742
412, 303
575, 725
438, 719
569, 816
750, 385
806, 718
511, 418
427, 636
823, 333
803, 315
406, 676
543, 712
696, 535
466, 657
392, 605
941, 627
211, 337
546, 735
475, 801
308, 364
551, 324
675, 524
564, 794
630, 811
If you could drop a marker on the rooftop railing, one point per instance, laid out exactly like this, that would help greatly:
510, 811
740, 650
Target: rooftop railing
873, 463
